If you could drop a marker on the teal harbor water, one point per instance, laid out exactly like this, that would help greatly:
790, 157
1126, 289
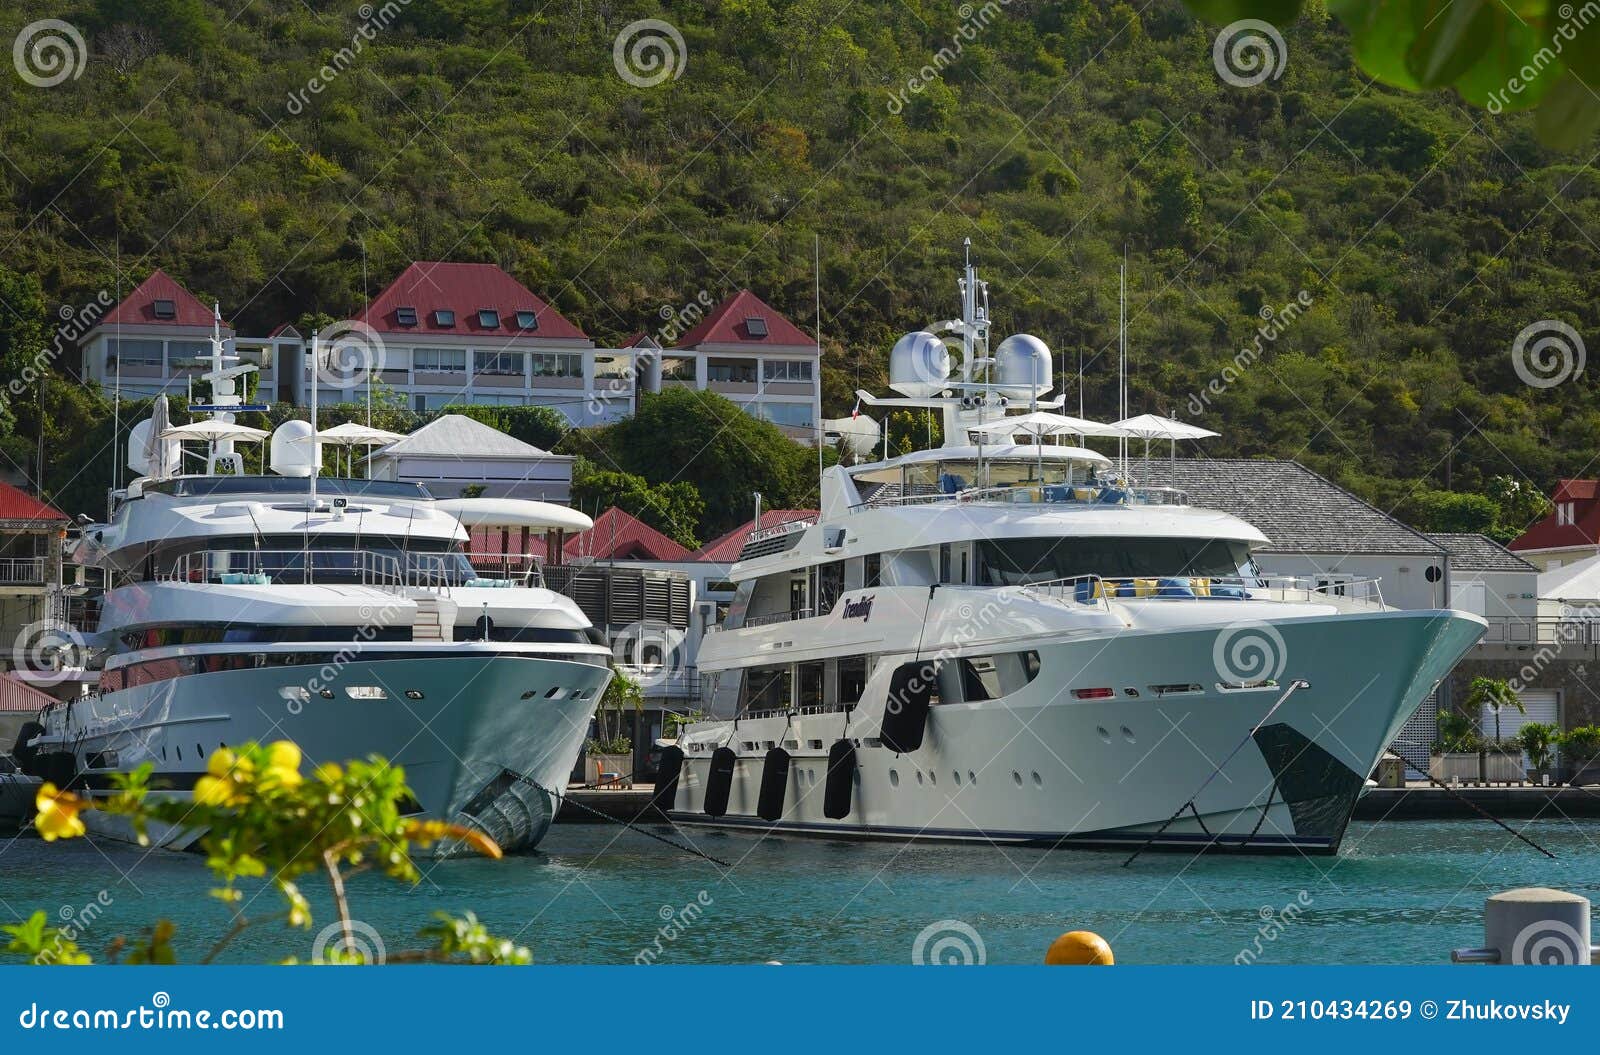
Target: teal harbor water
1399, 893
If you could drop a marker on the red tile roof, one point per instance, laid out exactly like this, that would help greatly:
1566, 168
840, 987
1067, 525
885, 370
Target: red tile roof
1583, 531
16, 505
138, 308
19, 698
726, 548
428, 286
726, 325
616, 535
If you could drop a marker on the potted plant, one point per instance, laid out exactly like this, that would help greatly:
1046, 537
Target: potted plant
1500, 760
1580, 747
1538, 741
1456, 754
611, 749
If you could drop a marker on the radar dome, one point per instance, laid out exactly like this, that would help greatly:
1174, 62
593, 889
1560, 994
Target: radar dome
292, 449
1022, 366
919, 365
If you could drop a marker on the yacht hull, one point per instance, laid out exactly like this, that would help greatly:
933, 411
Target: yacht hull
1043, 766
467, 728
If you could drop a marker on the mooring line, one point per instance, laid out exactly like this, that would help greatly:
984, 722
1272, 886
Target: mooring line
626, 824
1439, 783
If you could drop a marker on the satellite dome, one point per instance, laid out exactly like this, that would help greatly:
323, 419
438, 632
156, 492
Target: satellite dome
1022, 367
919, 365
293, 449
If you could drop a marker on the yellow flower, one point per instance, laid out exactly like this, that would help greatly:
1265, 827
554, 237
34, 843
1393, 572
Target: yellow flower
214, 791
57, 816
283, 763
330, 773
221, 763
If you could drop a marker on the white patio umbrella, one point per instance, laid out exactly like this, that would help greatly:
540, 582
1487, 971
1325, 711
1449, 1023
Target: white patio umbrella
1155, 427
212, 430
156, 446
353, 434
1040, 423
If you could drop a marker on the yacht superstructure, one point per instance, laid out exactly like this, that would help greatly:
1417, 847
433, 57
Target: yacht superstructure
341, 614
1016, 643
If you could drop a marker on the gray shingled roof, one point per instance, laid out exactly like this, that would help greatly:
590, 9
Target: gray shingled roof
458, 436
1474, 552
1300, 511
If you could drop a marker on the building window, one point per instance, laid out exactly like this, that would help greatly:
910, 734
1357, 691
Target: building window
755, 326
133, 353
786, 370
793, 415
491, 399
439, 361
501, 364
677, 368
444, 317
165, 309
1566, 513
527, 320
405, 316
488, 318
613, 366
557, 364
185, 353
738, 371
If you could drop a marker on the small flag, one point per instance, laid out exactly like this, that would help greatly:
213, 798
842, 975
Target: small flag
856, 413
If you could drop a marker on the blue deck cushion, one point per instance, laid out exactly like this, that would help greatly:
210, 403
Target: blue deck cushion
1175, 588
1058, 493
1111, 496
1236, 593
950, 484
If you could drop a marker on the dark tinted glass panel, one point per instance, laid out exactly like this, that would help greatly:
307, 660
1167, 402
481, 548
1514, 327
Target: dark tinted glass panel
1014, 562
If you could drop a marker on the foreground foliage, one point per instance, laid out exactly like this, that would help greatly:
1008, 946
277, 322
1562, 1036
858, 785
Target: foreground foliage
264, 821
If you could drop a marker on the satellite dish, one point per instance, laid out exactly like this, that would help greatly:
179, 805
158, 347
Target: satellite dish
294, 451
1022, 367
138, 439
919, 365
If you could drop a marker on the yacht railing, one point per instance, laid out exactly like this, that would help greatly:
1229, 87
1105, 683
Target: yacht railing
1065, 496
1095, 589
312, 567
780, 617
523, 568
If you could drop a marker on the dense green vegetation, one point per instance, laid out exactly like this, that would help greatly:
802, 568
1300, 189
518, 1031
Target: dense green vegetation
1426, 233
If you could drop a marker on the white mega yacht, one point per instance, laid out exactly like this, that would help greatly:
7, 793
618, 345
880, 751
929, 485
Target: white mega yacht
341, 614
1017, 644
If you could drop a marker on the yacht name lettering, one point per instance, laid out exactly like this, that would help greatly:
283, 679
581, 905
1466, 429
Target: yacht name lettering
861, 609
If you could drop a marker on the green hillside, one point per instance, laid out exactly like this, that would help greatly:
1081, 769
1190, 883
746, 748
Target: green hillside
1426, 235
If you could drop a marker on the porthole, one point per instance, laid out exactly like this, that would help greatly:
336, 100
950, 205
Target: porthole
178, 749
894, 779
919, 778
1131, 691
326, 694
365, 692
933, 778
1127, 734
1036, 781
555, 693
530, 694
413, 694
1016, 778
957, 775
199, 752
1104, 735
971, 777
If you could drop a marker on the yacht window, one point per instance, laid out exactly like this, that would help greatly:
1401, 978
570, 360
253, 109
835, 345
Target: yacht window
1014, 562
830, 585
852, 678
766, 689
872, 570
993, 677
810, 685
944, 562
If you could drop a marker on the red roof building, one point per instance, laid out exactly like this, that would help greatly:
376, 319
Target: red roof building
160, 302
1570, 532
616, 535
18, 509
745, 322
474, 301
151, 341
725, 548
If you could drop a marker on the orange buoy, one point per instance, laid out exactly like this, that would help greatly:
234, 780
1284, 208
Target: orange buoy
1079, 947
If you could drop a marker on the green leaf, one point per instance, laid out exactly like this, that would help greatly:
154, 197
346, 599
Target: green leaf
1451, 41
1381, 35
1580, 49
1224, 12
1497, 81
1569, 116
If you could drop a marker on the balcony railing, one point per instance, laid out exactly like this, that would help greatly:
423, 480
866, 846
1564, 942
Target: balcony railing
315, 567
1095, 589
1554, 633
22, 571
1058, 496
